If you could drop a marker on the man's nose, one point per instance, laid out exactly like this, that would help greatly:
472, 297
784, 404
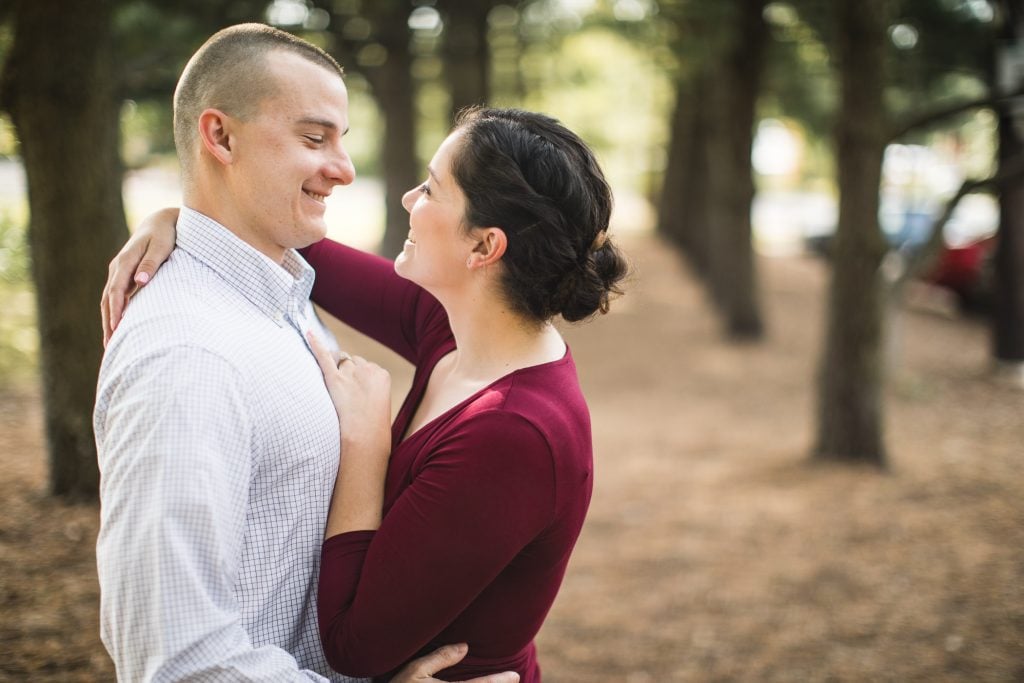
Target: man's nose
340, 169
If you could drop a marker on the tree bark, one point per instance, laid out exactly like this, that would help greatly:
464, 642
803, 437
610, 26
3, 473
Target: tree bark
66, 116
672, 218
1008, 302
466, 53
734, 99
394, 89
393, 86
851, 372
683, 205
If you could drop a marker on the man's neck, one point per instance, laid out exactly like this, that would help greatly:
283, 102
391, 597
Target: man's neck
223, 213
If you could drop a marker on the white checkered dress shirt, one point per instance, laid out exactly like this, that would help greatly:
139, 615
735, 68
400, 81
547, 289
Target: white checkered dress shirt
218, 447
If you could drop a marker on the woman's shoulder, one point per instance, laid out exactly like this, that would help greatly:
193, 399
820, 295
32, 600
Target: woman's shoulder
549, 396
539, 404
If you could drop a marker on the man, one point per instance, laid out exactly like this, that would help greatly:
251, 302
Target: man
218, 443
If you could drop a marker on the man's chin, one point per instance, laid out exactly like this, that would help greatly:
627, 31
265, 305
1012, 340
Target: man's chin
311, 235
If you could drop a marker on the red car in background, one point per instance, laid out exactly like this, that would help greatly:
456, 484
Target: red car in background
967, 271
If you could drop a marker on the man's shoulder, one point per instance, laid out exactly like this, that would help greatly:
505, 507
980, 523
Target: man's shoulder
186, 306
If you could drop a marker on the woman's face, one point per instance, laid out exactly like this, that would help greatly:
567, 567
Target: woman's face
434, 255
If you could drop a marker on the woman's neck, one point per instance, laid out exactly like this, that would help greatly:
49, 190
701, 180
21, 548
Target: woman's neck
492, 341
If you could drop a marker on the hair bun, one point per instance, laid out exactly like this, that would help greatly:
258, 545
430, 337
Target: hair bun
589, 288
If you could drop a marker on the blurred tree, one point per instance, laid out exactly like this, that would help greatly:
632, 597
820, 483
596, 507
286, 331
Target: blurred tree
63, 106
683, 204
375, 39
733, 97
466, 51
1008, 309
893, 58
851, 371
153, 39
989, 49
709, 187
506, 82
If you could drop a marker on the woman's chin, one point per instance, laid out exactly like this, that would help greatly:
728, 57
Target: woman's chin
402, 264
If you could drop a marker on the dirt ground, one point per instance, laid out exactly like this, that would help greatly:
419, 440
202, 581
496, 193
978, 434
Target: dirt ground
713, 550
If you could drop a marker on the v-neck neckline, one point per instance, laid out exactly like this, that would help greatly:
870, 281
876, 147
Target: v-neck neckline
423, 428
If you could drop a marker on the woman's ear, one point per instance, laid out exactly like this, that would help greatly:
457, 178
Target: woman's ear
489, 248
215, 134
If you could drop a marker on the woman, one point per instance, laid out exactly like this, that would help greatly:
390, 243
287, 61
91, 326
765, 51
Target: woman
457, 525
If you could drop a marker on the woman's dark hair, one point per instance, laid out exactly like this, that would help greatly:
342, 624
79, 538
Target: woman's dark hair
538, 181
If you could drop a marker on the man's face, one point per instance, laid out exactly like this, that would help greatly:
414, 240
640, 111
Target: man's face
289, 156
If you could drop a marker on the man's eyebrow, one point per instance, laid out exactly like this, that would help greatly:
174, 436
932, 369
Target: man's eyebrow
323, 123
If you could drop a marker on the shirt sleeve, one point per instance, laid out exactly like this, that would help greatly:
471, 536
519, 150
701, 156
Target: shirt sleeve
481, 497
363, 291
175, 453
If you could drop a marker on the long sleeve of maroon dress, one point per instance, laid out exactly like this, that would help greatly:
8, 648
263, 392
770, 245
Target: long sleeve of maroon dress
483, 504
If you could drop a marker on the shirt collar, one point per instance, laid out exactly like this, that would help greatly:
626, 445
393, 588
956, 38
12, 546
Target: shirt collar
278, 290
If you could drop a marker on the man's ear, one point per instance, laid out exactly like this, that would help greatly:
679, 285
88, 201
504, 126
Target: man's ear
215, 133
490, 246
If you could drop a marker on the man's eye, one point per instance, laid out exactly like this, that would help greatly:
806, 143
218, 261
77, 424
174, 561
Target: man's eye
318, 139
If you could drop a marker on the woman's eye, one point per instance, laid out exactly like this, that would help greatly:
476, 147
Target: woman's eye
425, 189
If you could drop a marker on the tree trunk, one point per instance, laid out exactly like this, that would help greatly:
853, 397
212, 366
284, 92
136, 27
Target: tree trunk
852, 372
683, 205
395, 91
672, 217
733, 99
1008, 308
465, 52
66, 116
394, 87
696, 190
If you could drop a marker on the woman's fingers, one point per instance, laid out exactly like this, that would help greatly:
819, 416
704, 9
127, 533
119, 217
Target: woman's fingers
320, 352
158, 250
135, 265
121, 283
113, 297
105, 316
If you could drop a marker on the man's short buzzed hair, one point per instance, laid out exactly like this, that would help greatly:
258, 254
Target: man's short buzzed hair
229, 73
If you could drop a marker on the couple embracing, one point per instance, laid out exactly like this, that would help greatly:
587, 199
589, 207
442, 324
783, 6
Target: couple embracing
262, 519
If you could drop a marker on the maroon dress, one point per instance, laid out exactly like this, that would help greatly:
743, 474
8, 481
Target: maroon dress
482, 505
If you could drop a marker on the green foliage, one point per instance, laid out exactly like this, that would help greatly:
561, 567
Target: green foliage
812, 97
146, 132
612, 93
8, 140
366, 124
6, 36
19, 341
14, 263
